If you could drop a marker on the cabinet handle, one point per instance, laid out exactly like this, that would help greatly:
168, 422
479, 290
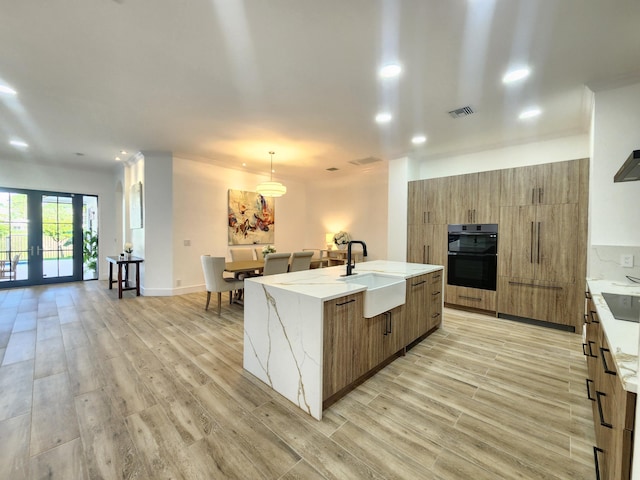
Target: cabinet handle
533, 196
387, 323
538, 259
435, 294
390, 322
531, 250
522, 284
586, 318
597, 450
344, 303
594, 315
475, 299
474, 216
428, 253
604, 361
591, 342
584, 349
424, 254
418, 284
589, 391
435, 277
600, 412
540, 191
435, 315
587, 295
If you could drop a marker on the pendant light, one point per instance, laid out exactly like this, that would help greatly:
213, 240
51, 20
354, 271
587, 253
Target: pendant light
271, 188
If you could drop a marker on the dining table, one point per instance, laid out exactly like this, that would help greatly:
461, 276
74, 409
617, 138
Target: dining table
242, 266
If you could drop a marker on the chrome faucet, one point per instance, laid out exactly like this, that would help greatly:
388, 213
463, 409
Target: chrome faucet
350, 266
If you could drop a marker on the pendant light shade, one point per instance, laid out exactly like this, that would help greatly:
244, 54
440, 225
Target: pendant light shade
271, 188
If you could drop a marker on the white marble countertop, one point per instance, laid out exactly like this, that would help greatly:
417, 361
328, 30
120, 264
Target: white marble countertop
324, 283
622, 336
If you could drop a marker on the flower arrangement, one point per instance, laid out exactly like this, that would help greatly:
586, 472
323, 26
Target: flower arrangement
268, 249
128, 248
341, 238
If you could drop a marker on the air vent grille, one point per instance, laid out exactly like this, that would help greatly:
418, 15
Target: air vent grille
365, 161
461, 112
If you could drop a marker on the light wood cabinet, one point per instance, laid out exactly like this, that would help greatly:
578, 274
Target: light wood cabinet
474, 198
538, 242
613, 407
383, 336
434, 294
471, 297
546, 184
342, 357
426, 202
427, 244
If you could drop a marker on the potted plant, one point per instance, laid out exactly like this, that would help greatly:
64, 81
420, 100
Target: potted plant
341, 239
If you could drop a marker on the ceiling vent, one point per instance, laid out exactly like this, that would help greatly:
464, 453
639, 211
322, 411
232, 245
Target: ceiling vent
461, 112
365, 161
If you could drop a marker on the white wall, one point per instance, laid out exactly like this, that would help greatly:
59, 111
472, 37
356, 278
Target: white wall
614, 207
200, 216
35, 176
534, 153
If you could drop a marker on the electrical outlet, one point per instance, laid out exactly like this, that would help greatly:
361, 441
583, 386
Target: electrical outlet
178, 282
626, 261
186, 243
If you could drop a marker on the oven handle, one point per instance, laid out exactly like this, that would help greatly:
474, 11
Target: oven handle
474, 254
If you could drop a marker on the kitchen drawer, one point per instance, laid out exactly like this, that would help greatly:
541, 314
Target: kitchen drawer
471, 297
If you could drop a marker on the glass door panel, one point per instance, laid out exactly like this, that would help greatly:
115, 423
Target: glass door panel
56, 246
47, 237
14, 234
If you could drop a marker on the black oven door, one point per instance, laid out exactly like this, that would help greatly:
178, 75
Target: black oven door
472, 270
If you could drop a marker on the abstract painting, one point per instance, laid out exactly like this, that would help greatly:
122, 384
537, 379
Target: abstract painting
251, 218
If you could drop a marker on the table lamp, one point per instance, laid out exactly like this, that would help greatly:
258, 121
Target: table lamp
328, 238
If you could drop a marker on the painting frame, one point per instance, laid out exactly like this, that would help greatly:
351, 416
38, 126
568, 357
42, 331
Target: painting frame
135, 205
251, 218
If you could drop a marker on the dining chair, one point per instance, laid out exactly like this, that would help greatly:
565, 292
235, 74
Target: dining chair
9, 268
241, 254
300, 261
259, 254
213, 268
276, 263
318, 259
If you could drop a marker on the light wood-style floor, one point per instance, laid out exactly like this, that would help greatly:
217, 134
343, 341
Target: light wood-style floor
153, 387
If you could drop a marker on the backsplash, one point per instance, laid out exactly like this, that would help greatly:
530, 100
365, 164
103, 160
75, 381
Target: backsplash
604, 262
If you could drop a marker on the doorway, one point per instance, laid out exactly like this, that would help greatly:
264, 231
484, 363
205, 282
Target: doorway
47, 237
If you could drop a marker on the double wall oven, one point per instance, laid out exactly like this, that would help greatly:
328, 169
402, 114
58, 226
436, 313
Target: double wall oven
473, 255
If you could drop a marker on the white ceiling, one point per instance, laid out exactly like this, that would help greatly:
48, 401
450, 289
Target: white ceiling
225, 81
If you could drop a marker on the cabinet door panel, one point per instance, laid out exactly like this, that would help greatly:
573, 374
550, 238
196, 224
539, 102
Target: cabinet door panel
415, 308
416, 203
436, 199
517, 186
556, 247
427, 244
558, 182
516, 241
463, 192
486, 208
549, 302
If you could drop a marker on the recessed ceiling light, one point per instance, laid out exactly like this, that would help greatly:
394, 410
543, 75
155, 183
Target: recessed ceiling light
244, 164
390, 70
18, 143
530, 113
123, 152
117, 159
515, 75
7, 90
418, 139
383, 117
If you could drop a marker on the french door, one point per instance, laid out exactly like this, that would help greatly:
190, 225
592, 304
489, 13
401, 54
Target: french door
47, 237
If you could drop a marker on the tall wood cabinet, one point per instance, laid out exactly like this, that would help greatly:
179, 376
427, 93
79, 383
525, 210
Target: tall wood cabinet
541, 212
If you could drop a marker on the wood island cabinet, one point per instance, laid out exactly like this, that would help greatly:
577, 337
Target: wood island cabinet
613, 406
355, 346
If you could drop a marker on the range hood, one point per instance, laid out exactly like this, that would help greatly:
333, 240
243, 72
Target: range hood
630, 171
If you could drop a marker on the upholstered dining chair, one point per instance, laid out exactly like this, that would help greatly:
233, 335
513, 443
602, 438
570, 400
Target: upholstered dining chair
9, 268
300, 261
276, 263
213, 268
259, 254
241, 254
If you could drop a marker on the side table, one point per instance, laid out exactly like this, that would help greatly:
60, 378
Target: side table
120, 262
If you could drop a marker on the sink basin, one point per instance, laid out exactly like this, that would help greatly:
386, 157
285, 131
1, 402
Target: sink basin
383, 292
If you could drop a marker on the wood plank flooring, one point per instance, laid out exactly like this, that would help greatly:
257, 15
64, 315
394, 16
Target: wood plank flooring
153, 387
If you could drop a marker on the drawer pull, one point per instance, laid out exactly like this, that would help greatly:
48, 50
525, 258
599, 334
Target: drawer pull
435, 315
587, 295
584, 350
604, 361
597, 450
418, 284
586, 318
600, 412
522, 284
475, 299
435, 293
591, 342
589, 391
435, 277
594, 316
345, 303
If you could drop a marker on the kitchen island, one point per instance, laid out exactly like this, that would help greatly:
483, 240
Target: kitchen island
305, 334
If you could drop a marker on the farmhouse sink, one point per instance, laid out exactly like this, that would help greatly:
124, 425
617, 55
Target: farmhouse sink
383, 292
